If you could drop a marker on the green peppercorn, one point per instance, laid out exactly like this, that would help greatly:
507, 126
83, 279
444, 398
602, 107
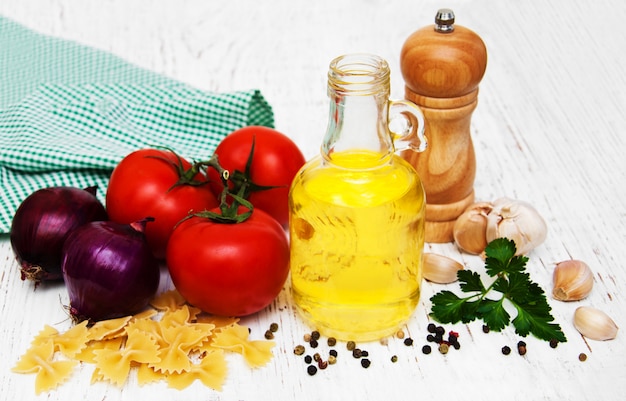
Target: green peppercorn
332, 360
365, 363
316, 357
331, 341
311, 369
394, 358
307, 337
298, 350
274, 327
400, 334
506, 350
269, 335
426, 349
443, 348
350, 345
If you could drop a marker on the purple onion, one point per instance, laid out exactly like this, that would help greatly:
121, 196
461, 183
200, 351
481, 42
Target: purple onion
43, 221
109, 270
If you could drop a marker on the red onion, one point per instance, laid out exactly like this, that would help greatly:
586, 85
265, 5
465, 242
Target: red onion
109, 270
43, 221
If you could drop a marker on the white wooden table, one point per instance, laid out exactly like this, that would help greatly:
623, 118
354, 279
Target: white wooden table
549, 129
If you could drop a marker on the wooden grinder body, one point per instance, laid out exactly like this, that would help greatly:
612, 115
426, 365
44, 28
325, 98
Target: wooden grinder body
442, 72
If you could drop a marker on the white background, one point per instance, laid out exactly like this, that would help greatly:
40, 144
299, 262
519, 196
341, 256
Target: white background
549, 129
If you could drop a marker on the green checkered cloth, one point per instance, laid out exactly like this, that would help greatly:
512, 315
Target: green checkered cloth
70, 113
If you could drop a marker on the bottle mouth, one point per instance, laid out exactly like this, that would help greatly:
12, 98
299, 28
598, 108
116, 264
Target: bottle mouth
359, 74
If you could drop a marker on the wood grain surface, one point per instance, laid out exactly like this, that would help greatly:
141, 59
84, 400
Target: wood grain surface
549, 128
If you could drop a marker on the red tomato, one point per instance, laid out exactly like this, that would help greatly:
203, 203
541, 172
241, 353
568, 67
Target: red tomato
229, 269
143, 185
275, 162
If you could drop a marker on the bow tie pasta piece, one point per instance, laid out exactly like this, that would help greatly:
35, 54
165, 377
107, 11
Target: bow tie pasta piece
211, 371
235, 338
50, 373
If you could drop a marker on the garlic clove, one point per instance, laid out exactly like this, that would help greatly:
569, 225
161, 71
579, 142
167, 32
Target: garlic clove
594, 324
518, 221
572, 280
470, 228
440, 269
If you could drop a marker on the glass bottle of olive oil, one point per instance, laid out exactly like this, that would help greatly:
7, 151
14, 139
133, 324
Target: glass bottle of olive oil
357, 210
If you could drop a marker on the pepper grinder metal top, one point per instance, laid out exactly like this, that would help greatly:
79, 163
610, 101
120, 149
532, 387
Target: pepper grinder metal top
442, 66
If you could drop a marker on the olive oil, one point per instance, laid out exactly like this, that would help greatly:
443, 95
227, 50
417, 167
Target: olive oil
357, 235
357, 210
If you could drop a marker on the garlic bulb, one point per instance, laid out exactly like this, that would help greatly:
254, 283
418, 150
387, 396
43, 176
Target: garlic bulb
440, 269
594, 324
517, 221
572, 280
470, 228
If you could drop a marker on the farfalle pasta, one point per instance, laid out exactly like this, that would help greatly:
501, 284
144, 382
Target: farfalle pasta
173, 342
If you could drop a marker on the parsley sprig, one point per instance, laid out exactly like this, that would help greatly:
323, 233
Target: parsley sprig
513, 285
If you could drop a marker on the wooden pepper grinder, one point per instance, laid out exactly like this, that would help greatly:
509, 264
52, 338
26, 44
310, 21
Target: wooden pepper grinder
442, 67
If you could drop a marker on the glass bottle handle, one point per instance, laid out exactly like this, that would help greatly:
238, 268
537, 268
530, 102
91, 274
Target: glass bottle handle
406, 124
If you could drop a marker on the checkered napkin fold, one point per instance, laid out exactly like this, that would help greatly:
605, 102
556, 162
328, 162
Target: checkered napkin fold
70, 113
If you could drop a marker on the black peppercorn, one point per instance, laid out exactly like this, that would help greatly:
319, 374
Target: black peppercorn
269, 335
308, 359
431, 327
274, 327
506, 350
357, 353
430, 338
408, 341
311, 369
315, 335
554, 343
365, 363
426, 349
313, 343
485, 328
440, 330
331, 341
394, 358
333, 352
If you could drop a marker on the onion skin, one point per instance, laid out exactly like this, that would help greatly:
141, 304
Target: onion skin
43, 221
109, 270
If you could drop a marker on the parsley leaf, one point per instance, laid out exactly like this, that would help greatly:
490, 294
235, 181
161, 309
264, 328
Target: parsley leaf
512, 284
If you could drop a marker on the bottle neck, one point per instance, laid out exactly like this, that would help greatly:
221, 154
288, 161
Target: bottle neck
358, 88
